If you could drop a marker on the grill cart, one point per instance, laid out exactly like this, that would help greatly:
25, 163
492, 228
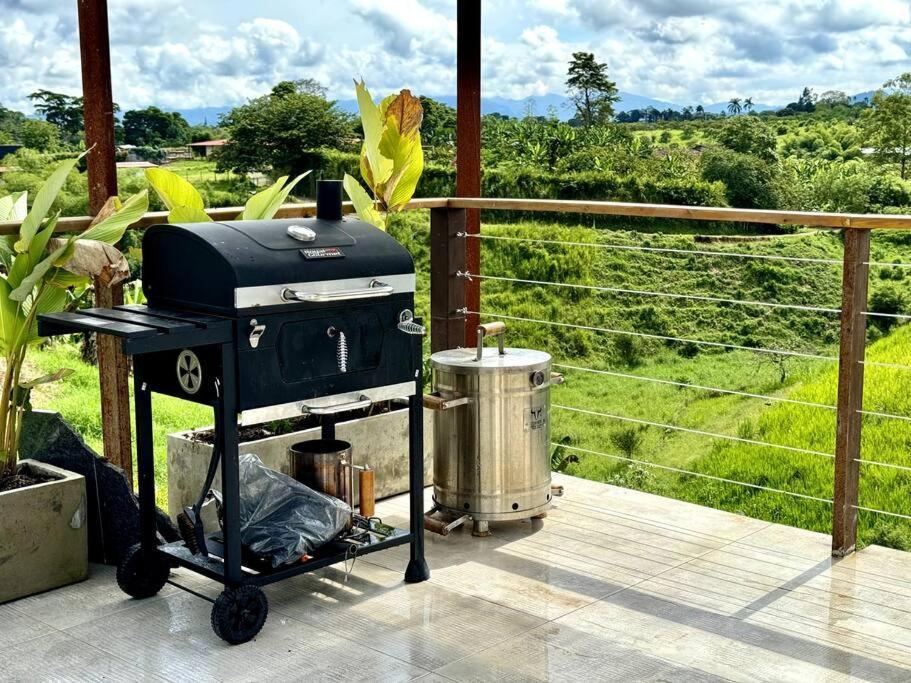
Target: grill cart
264, 320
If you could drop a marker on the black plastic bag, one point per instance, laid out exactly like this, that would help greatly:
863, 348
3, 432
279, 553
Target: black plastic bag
282, 519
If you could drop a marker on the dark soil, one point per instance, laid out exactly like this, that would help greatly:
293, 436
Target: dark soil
24, 477
296, 424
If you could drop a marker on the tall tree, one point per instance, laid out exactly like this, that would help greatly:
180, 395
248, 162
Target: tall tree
748, 104
64, 111
887, 123
590, 89
276, 133
439, 123
734, 106
700, 111
153, 127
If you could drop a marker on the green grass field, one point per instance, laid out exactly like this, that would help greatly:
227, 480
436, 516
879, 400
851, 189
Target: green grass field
666, 405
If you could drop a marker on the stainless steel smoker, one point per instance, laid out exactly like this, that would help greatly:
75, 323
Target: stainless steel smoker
491, 439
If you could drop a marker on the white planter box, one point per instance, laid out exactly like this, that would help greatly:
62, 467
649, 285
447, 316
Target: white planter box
43, 534
380, 441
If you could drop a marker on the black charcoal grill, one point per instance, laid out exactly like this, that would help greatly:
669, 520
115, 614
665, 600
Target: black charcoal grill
264, 320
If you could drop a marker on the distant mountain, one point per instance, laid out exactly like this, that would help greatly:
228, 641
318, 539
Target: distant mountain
539, 106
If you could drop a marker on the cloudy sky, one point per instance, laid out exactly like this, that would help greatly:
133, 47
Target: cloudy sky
194, 53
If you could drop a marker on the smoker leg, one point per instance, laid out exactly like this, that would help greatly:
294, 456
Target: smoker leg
417, 570
230, 471
145, 464
480, 528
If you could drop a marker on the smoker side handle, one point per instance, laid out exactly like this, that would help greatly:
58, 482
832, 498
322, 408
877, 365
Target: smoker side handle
436, 402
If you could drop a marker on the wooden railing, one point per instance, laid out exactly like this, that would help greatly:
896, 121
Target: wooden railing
455, 300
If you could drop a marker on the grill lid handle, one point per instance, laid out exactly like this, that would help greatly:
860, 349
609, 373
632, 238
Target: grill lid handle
374, 290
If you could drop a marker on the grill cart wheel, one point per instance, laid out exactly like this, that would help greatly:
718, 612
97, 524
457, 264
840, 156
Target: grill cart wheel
239, 614
139, 576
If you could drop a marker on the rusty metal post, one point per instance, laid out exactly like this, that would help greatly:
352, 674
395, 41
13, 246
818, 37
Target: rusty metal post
447, 290
468, 142
853, 338
98, 109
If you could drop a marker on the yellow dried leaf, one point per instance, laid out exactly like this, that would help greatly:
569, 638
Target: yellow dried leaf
407, 113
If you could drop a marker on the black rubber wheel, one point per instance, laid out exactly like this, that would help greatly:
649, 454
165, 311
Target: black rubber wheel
139, 576
239, 614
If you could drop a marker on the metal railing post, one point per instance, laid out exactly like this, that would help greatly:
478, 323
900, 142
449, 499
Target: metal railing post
447, 290
853, 336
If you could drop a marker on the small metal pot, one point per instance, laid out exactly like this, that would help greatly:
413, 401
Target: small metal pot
491, 442
318, 463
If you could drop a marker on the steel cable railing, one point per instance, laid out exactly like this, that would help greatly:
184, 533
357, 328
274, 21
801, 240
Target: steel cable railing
692, 473
689, 430
661, 337
669, 338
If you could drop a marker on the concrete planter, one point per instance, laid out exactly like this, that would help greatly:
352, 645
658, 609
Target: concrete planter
380, 441
43, 534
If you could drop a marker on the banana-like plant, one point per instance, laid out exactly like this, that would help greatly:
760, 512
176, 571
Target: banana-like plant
185, 204
391, 156
38, 271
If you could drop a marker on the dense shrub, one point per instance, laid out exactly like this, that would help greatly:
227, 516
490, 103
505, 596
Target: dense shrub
748, 180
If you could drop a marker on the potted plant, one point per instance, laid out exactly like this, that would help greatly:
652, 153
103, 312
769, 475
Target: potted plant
42, 528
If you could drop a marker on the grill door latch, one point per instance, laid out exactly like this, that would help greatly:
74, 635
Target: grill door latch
256, 331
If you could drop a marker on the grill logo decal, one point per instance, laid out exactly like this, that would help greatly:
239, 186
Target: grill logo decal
322, 252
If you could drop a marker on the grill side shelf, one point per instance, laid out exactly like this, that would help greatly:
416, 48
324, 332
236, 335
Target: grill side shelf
145, 334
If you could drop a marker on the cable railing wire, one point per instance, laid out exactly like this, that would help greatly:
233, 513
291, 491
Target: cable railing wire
661, 337
640, 292
688, 430
660, 250
701, 475
881, 512
879, 463
893, 416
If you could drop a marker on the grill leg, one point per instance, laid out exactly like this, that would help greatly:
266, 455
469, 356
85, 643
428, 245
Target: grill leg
145, 462
230, 472
417, 566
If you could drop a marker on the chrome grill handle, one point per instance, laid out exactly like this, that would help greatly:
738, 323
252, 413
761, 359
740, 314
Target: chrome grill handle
374, 290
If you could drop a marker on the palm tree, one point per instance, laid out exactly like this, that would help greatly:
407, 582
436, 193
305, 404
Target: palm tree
748, 104
734, 106
700, 110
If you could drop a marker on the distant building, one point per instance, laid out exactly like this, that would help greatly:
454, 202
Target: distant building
206, 148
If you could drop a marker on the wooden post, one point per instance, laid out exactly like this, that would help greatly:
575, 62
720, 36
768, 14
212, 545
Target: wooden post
853, 338
447, 290
468, 143
98, 109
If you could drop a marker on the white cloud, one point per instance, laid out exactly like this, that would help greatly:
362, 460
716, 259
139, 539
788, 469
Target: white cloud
208, 53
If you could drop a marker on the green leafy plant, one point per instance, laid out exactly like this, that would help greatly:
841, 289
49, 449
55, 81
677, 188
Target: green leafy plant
39, 271
186, 205
391, 156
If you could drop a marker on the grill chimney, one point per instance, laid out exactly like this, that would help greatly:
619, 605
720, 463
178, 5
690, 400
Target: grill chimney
329, 200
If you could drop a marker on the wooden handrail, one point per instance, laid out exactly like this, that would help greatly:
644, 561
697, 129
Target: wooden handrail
230, 213
809, 219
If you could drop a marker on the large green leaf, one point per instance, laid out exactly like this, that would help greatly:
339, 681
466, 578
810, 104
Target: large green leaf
173, 190
27, 286
188, 214
111, 229
11, 319
263, 205
14, 207
372, 121
43, 201
363, 204
24, 262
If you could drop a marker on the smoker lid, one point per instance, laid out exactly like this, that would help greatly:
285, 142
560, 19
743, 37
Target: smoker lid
464, 361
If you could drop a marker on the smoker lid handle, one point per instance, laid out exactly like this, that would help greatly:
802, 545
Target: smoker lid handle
374, 290
495, 329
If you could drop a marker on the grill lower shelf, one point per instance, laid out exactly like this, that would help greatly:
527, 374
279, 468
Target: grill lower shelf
260, 573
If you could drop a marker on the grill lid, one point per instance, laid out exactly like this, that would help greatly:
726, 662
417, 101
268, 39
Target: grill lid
230, 266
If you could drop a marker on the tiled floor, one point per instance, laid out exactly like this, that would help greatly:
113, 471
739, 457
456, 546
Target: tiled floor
613, 585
